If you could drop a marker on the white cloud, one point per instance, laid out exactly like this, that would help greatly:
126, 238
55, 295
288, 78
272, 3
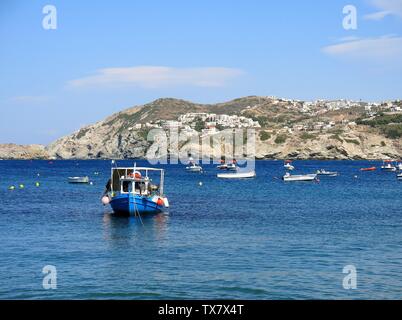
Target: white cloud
350, 38
385, 50
157, 76
377, 15
386, 8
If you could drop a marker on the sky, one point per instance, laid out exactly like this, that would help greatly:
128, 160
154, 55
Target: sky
105, 56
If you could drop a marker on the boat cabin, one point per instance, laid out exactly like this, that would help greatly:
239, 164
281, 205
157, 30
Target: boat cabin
137, 180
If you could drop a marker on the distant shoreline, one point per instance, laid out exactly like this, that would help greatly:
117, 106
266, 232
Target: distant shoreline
144, 159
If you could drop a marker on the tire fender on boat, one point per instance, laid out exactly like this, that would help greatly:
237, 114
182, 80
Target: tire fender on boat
105, 200
165, 200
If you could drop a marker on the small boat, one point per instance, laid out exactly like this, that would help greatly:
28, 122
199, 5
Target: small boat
387, 166
323, 172
131, 191
192, 167
301, 177
78, 179
237, 175
288, 165
368, 169
399, 176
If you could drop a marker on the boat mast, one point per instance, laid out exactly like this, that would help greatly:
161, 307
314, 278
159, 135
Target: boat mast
111, 178
162, 182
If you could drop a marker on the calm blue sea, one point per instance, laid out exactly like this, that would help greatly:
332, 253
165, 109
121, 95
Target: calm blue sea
251, 239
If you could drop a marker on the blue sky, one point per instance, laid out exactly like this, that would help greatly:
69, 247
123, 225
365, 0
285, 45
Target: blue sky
106, 56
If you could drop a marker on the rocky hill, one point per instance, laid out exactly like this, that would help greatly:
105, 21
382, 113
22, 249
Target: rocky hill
287, 131
13, 151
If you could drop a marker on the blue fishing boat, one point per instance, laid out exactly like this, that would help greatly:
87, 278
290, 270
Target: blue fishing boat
136, 191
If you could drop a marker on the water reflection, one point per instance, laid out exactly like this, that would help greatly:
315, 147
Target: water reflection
132, 230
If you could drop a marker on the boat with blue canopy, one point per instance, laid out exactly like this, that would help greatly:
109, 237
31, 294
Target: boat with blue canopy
136, 191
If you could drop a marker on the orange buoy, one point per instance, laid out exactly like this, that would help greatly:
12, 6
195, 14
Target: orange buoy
160, 202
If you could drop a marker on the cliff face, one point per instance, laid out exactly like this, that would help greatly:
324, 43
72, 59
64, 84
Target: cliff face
354, 144
283, 133
13, 151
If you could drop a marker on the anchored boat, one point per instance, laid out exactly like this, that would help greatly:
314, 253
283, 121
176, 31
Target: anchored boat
193, 167
132, 190
388, 166
323, 172
301, 177
288, 165
78, 180
237, 175
399, 176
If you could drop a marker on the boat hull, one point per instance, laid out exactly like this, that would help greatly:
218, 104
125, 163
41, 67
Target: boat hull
78, 180
133, 204
308, 177
327, 174
237, 175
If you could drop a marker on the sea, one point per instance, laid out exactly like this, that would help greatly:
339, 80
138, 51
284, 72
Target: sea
337, 238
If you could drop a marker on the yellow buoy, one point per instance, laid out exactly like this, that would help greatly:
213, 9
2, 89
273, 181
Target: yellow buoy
11, 188
22, 186
37, 184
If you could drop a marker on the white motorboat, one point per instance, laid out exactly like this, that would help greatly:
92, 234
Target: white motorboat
288, 166
399, 176
78, 179
323, 172
388, 166
193, 168
300, 177
237, 175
